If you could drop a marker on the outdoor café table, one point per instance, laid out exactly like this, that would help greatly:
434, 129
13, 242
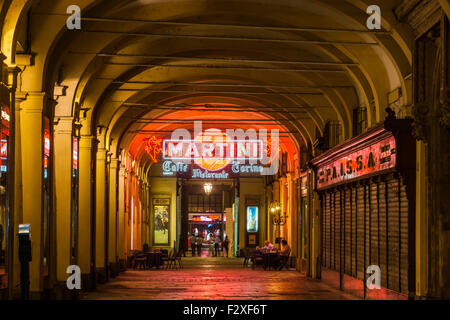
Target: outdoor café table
154, 259
270, 259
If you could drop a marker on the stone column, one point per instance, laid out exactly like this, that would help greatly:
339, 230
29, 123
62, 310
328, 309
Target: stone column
100, 218
112, 221
128, 189
15, 183
62, 164
121, 218
32, 142
84, 250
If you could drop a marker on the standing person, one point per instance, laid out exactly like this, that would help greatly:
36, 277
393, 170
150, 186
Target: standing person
211, 245
226, 244
199, 246
216, 246
193, 242
182, 245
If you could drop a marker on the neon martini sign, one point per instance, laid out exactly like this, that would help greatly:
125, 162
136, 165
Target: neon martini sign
214, 154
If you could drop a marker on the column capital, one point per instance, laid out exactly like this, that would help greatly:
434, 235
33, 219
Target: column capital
114, 163
63, 125
13, 72
34, 102
101, 154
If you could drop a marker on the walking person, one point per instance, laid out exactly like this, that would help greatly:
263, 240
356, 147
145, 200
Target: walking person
226, 244
193, 242
182, 246
216, 246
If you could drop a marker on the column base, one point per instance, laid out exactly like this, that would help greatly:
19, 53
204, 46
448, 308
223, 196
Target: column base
122, 265
100, 274
114, 269
88, 282
60, 292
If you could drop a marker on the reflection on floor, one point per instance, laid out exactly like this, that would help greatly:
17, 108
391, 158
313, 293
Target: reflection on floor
214, 278
3, 277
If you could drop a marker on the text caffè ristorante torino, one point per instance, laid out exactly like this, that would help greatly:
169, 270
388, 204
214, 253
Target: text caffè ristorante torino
367, 192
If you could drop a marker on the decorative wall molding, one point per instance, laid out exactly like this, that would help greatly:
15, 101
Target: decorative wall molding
421, 15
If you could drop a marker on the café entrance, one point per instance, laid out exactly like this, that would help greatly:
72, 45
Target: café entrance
204, 217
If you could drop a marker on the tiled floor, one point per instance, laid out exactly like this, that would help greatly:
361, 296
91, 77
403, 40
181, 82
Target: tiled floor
214, 278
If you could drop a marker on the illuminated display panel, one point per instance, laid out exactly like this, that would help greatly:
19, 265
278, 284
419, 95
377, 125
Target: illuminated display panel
207, 218
46, 145
161, 221
252, 218
75, 154
377, 157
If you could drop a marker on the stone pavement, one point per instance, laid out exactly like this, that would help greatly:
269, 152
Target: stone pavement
214, 278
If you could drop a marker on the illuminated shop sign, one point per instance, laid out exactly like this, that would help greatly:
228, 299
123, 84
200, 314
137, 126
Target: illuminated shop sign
4, 149
74, 156
375, 158
252, 218
215, 154
304, 185
213, 149
208, 218
153, 147
5, 115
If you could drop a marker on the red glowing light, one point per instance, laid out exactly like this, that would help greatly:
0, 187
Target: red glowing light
153, 147
4, 149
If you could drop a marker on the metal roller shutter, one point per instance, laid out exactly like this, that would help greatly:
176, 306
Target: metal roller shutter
403, 239
393, 235
332, 232
374, 225
326, 230
348, 232
368, 225
360, 232
383, 232
337, 212
353, 192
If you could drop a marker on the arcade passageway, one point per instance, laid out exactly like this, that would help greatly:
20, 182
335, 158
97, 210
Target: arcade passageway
217, 280
134, 127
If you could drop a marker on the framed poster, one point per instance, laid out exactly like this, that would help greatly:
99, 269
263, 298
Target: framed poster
252, 218
252, 239
161, 221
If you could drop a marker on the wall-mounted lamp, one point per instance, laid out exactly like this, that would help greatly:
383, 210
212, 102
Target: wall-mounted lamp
278, 219
208, 188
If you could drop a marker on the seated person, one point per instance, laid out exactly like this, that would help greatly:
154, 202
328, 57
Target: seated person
267, 246
284, 254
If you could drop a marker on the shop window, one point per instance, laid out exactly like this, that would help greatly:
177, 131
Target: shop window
359, 120
332, 133
4, 210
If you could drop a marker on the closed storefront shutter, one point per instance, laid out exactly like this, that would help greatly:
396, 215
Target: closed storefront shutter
368, 212
333, 232
360, 232
404, 240
354, 229
383, 232
348, 232
365, 225
374, 225
337, 205
326, 230
393, 235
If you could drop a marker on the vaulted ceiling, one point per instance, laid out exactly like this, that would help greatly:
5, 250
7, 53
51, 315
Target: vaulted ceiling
144, 66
